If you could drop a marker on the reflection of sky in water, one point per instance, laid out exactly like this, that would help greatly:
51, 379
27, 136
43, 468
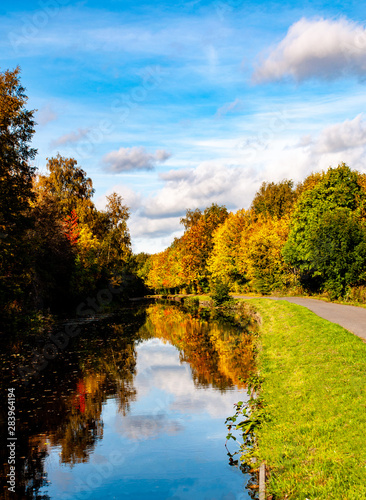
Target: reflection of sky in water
169, 446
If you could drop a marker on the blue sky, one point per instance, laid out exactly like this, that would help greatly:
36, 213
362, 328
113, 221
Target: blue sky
178, 106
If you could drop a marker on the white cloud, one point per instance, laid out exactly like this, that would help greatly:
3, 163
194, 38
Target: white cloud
143, 427
200, 187
136, 158
345, 141
148, 226
321, 48
160, 366
342, 136
70, 138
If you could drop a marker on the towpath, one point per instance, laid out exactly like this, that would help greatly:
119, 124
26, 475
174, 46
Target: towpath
350, 317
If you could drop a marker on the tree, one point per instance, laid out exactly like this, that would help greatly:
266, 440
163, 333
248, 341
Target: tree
337, 250
71, 227
338, 188
16, 174
223, 263
197, 244
68, 185
191, 218
64, 215
117, 240
16, 132
51, 257
274, 200
261, 258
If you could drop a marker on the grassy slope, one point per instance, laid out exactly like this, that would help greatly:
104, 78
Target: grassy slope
315, 388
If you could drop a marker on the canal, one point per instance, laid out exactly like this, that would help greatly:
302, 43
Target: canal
133, 408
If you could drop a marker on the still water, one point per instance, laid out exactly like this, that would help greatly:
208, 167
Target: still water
135, 409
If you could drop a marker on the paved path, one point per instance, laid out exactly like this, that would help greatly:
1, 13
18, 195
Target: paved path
350, 317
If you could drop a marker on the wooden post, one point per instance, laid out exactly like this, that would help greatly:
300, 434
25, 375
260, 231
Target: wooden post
262, 481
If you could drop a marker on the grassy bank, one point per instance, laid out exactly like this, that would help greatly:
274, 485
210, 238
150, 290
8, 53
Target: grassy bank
314, 392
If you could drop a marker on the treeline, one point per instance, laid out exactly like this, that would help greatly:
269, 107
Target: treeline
56, 247
305, 238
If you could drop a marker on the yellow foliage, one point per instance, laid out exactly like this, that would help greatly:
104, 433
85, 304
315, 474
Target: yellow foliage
261, 253
223, 263
87, 240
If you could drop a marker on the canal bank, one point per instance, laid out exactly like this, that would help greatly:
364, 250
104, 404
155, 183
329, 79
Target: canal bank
313, 401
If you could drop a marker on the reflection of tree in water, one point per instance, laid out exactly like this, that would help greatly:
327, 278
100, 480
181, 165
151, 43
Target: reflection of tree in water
63, 406
108, 369
219, 351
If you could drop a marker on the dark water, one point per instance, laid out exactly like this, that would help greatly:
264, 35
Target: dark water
132, 408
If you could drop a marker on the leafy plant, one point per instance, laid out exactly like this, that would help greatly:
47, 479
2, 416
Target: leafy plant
220, 292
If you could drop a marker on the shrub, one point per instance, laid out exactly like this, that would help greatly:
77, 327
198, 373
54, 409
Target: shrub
220, 292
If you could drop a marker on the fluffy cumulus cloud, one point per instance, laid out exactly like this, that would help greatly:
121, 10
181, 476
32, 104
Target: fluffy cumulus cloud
345, 141
199, 187
342, 136
320, 48
136, 158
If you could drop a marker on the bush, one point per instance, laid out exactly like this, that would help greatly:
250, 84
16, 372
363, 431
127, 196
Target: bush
220, 292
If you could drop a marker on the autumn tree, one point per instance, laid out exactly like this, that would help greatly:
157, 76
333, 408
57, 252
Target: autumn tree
261, 260
68, 184
223, 263
191, 218
64, 215
51, 257
308, 183
274, 200
197, 244
164, 270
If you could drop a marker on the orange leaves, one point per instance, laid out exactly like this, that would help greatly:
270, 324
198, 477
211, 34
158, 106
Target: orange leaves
184, 262
70, 227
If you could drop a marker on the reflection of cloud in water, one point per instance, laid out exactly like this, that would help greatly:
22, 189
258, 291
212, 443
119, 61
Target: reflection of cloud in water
158, 366
142, 427
156, 352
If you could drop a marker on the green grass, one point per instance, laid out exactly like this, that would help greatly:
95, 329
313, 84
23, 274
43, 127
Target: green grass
203, 298
314, 391
338, 301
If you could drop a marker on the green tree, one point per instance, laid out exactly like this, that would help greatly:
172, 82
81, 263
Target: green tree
16, 175
337, 249
339, 188
117, 240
